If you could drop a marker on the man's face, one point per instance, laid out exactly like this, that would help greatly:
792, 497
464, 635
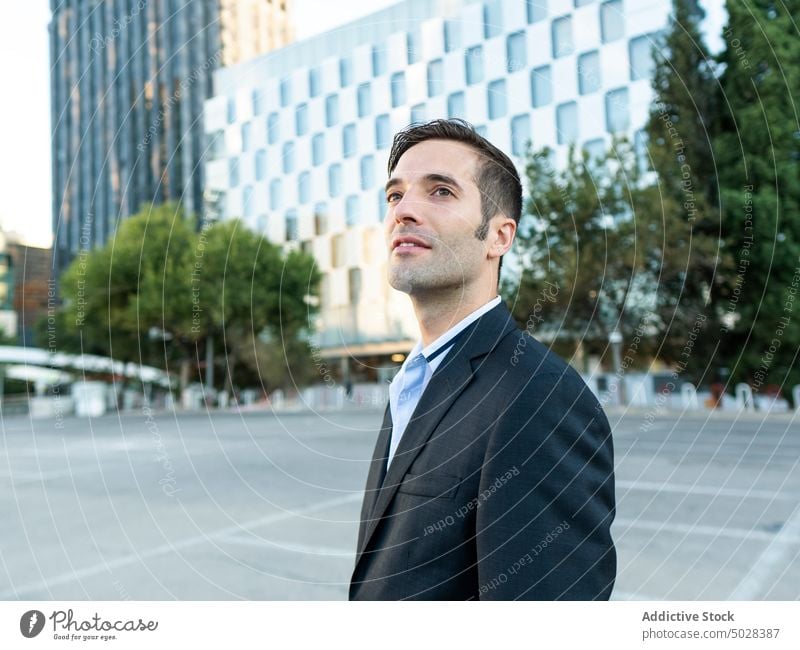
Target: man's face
434, 212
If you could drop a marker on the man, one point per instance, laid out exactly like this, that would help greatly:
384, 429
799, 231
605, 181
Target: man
493, 475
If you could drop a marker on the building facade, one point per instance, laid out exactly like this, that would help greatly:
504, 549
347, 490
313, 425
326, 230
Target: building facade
300, 138
128, 83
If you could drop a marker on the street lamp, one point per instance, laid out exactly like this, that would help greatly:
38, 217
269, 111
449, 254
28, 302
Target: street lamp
615, 339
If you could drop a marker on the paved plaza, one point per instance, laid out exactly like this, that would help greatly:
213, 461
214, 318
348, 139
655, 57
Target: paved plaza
264, 506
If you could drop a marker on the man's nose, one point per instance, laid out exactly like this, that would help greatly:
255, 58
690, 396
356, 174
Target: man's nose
407, 209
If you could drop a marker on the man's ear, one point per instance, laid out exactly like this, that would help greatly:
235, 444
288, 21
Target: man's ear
502, 230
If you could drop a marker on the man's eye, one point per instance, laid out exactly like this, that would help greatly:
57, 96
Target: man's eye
394, 196
442, 191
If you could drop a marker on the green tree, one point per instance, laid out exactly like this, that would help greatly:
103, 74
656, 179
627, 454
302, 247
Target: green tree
683, 188
757, 145
245, 285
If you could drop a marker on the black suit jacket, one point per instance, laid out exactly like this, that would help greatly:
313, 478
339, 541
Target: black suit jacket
502, 486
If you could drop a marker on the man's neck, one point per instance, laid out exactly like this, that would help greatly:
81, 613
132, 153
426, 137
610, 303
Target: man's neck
437, 314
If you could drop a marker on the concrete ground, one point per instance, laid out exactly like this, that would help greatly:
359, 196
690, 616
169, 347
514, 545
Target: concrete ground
264, 506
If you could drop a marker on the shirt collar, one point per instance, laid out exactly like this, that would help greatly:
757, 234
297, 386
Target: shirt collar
454, 331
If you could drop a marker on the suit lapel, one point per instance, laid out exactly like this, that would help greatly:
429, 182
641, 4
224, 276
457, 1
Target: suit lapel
446, 384
377, 472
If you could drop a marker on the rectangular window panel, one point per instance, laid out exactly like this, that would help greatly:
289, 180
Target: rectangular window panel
261, 164
291, 225
301, 119
231, 111
617, 113
273, 128
595, 149
640, 53
414, 46
536, 10
335, 180
275, 194
589, 72
378, 60
314, 82
364, 99
287, 156
492, 19
246, 136
304, 187
562, 37
541, 86
331, 110
382, 135
418, 113
349, 140
498, 104
456, 105
367, 172
567, 123
612, 22
247, 200
473, 63
318, 149
516, 55
452, 35
435, 78
286, 91
351, 210
398, 88
345, 72
520, 134
233, 172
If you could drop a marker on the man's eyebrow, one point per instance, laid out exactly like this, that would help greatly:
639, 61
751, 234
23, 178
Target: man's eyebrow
428, 178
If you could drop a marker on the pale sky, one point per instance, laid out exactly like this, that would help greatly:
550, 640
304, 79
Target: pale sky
25, 109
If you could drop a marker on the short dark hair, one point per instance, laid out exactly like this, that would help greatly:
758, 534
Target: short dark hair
497, 177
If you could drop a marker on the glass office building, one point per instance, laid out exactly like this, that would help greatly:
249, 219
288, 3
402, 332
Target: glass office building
128, 81
300, 137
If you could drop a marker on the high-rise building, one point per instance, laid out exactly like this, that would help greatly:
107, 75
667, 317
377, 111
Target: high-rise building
301, 137
128, 82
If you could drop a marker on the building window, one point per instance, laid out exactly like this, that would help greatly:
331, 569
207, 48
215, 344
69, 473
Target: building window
367, 172
418, 113
482, 131
382, 204
378, 60
345, 72
537, 10
640, 53
335, 180
351, 210
595, 149
642, 154
273, 128
275, 194
473, 63
320, 218
383, 137
354, 282
413, 39
520, 134
589, 72
287, 156
612, 25
496, 95
349, 140
398, 87
291, 225
456, 105
562, 37
337, 251
314, 82
516, 56
541, 86
286, 91
583, 3
247, 200
452, 35
304, 187
318, 149
261, 164
301, 119
492, 19
435, 78
233, 172
617, 114
261, 223
258, 101
364, 99
567, 123
246, 136
331, 110
231, 111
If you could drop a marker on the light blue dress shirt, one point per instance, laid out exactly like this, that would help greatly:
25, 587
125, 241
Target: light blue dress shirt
400, 417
